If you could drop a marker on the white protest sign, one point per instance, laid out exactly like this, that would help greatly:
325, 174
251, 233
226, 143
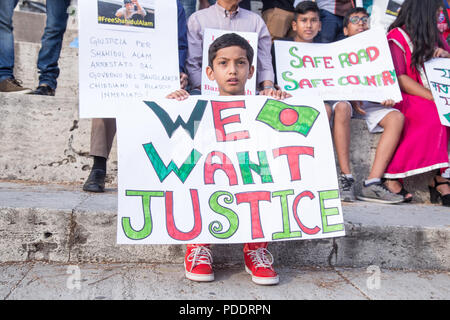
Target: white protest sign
356, 68
126, 52
227, 170
438, 74
384, 12
209, 87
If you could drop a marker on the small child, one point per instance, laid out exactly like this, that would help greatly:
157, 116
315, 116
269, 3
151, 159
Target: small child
229, 64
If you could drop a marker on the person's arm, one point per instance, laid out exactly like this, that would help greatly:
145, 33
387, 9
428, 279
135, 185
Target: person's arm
194, 53
265, 73
119, 13
203, 4
140, 11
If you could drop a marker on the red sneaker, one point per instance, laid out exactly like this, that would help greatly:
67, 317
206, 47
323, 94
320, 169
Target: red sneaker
198, 263
258, 262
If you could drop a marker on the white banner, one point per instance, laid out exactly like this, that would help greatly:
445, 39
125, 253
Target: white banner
209, 87
126, 52
356, 68
438, 74
228, 170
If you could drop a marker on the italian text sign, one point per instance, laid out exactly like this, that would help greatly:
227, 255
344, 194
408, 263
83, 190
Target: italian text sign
356, 68
226, 170
126, 51
438, 74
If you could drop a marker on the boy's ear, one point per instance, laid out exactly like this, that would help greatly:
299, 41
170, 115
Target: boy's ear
294, 25
251, 72
345, 31
210, 73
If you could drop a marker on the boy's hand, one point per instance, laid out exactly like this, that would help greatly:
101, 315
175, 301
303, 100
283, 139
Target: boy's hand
275, 93
357, 106
183, 80
388, 103
179, 95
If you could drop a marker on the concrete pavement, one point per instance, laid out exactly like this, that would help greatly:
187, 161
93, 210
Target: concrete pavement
47, 281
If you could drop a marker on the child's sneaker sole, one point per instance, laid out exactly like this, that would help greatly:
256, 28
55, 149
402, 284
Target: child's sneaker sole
263, 281
199, 277
380, 200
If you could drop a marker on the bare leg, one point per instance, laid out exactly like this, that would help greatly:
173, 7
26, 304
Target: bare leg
341, 135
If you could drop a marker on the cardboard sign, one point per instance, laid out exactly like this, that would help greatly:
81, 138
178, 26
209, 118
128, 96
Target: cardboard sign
226, 170
438, 74
123, 53
356, 68
384, 12
210, 87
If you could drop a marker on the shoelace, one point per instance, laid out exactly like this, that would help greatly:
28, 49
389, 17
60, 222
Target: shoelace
16, 82
261, 258
200, 255
346, 183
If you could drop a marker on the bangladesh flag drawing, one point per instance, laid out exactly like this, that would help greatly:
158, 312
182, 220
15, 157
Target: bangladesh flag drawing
288, 118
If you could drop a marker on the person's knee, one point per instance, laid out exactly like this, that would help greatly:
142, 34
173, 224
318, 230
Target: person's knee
343, 110
394, 119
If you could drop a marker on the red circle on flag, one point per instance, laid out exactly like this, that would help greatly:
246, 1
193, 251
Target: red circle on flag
288, 117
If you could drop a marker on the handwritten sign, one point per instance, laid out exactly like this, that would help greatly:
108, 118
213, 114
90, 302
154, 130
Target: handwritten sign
209, 87
123, 53
438, 74
356, 68
226, 170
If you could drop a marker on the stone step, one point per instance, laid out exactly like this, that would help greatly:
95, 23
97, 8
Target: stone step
60, 223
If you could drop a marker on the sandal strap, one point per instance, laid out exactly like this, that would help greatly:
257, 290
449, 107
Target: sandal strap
437, 183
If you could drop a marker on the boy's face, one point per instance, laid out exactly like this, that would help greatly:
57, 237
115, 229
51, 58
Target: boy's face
358, 22
306, 26
231, 70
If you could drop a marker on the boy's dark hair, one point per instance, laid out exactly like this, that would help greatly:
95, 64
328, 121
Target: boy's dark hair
229, 40
352, 11
305, 7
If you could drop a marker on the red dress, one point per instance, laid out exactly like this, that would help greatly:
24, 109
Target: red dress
423, 145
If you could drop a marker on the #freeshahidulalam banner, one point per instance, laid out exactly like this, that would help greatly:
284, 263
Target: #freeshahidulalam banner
123, 53
357, 68
226, 170
438, 74
209, 87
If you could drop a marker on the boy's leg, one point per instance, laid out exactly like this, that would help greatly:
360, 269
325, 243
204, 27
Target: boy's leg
258, 263
341, 134
341, 138
198, 263
392, 124
373, 188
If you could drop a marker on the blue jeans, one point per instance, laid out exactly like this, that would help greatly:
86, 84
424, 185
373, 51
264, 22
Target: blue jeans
189, 7
332, 27
6, 39
51, 42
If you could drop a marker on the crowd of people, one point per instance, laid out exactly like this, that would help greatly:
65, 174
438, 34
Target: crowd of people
413, 140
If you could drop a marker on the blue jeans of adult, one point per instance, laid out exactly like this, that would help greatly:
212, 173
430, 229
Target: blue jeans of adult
7, 39
51, 42
332, 27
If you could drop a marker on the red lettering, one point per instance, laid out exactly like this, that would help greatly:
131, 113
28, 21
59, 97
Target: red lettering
293, 157
327, 61
226, 165
219, 123
373, 53
172, 230
294, 208
253, 199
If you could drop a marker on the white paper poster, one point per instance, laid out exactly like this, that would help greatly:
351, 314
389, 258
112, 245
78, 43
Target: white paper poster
438, 74
210, 87
357, 68
126, 52
226, 170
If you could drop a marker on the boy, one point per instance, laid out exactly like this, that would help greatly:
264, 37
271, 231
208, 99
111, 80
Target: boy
379, 118
307, 25
229, 64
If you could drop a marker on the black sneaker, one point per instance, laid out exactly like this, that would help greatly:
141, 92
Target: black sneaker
44, 90
347, 188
